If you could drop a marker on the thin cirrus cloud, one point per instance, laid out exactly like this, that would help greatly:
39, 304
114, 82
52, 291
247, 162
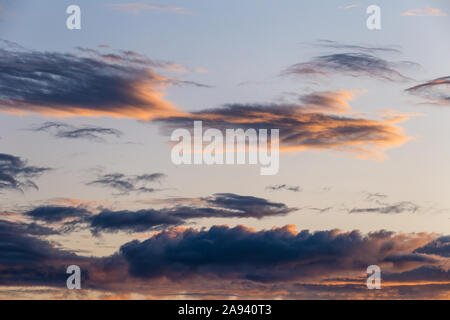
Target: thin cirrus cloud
284, 187
138, 7
436, 91
88, 132
335, 45
16, 174
425, 12
125, 184
396, 208
85, 84
354, 64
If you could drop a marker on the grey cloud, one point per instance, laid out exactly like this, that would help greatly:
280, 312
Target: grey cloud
63, 130
436, 91
351, 64
125, 184
400, 207
16, 174
286, 187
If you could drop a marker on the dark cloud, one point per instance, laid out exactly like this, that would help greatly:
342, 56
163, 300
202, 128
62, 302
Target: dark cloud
350, 64
222, 205
52, 214
88, 83
235, 261
63, 130
26, 259
280, 187
300, 128
132, 221
436, 91
400, 207
262, 256
15, 174
440, 247
125, 184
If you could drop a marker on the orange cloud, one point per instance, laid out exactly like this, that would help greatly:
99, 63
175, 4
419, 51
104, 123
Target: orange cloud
426, 12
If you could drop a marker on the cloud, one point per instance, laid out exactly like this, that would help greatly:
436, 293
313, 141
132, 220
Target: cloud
440, 247
125, 184
51, 214
85, 84
426, 12
279, 254
328, 101
301, 128
350, 6
350, 64
232, 262
280, 187
400, 207
436, 91
137, 7
26, 259
63, 130
330, 44
15, 174
220, 205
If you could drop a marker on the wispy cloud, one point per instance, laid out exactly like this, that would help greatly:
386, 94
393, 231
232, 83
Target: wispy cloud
396, 208
425, 12
349, 6
350, 64
124, 184
88, 132
137, 7
436, 91
280, 187
16, 174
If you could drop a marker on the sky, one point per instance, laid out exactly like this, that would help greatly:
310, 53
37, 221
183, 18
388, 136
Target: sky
86, 175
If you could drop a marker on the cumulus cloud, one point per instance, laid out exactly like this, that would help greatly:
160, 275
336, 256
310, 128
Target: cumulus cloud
279, 254
280, 262
86, 84
440, 247
436, 91
125, 184
64, 130
27, 259
354, 64
16, 174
